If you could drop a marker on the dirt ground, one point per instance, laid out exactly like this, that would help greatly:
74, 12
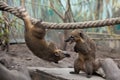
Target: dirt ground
19, 54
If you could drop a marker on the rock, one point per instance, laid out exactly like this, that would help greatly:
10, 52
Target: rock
40, 73
111, 69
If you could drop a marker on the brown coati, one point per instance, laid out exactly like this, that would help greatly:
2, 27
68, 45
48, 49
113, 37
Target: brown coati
86, 48
35, 39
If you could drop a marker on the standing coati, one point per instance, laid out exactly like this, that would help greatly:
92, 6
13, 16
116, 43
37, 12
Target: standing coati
34, 37
86, 49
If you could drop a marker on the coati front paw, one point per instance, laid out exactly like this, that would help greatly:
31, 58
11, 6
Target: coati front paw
73, 72
22, 11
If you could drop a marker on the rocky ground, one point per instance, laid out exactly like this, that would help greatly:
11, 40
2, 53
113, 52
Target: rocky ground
19, 54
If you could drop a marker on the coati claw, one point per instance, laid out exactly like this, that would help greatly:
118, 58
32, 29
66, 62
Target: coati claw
72, 72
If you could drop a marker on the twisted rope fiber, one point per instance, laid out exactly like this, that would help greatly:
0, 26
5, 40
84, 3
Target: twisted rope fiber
77, 25
14, 11
82, 25
5, 7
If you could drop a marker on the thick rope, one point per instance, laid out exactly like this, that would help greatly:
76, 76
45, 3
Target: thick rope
82, 25
77, 25
14, 10
5, 7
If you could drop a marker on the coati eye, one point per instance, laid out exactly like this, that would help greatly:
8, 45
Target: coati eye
81, 35
56, 53
71, 37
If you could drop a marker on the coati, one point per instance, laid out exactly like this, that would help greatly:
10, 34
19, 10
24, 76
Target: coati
110, 68
35, 40
86, 48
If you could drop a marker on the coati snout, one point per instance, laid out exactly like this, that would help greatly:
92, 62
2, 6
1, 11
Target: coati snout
70, 39
61, 53
76, 36
66, 54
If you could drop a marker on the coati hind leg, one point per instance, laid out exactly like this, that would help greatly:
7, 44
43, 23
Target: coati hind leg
78, 65
76, 71
92, 68
88, 68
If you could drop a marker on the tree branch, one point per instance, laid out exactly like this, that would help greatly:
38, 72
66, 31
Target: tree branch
67, 9
61, 4
68, 12
68, 6
52, 7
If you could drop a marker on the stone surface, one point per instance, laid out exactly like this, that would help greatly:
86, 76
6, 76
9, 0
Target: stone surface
40, 73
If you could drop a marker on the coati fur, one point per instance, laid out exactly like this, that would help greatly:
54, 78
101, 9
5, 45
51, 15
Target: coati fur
110, 68
86, 48
35, 40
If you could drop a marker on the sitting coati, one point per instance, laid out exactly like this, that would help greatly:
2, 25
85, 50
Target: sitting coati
35, 38
86, 48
